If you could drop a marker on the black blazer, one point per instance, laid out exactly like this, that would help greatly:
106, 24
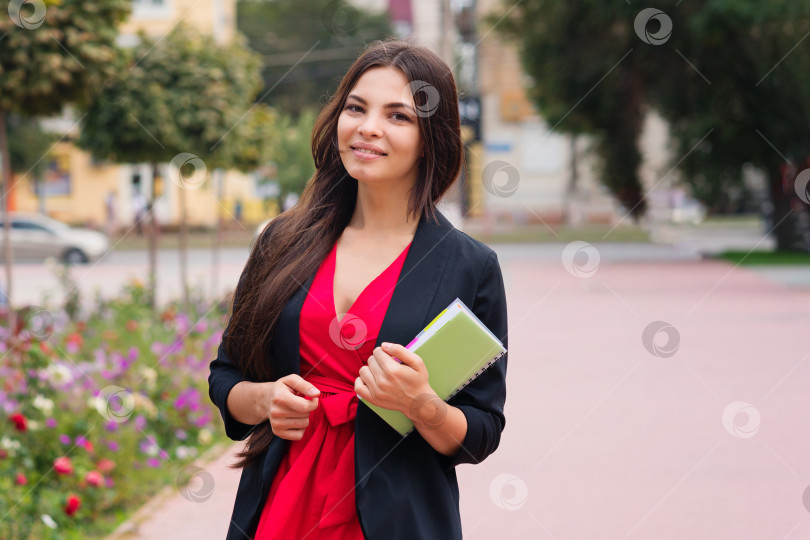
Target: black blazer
404, 488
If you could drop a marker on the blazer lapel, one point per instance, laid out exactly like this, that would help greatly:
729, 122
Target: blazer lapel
407, 314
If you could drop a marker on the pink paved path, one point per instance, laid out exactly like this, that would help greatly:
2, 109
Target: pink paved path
605, 440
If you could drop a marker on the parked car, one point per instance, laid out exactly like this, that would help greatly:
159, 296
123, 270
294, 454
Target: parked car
34, 236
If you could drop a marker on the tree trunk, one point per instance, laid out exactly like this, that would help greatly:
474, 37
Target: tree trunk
786, 223
183, 242
153, 240
573, 178
5, 173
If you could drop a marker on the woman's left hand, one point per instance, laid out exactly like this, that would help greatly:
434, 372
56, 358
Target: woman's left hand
390, 384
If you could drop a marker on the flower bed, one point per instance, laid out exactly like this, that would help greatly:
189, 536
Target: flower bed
99, 409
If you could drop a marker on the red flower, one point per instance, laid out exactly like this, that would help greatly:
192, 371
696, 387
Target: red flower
62, 465
73, 503
105, 465
75, 338
88, 446
19, 421
21, 480
94, 478
132, 325
81, 326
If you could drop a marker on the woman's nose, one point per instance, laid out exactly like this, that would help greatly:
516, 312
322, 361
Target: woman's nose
370, 127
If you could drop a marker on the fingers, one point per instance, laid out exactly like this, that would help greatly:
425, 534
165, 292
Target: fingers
297, 383
288, 398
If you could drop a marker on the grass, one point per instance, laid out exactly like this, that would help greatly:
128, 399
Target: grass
757, 258
242, 238
542, 234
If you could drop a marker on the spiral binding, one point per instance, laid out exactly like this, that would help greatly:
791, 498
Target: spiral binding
475, 376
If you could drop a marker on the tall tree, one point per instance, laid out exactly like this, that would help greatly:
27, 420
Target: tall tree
729, 76
181, 100
50, 53
306, 45
584, 59
745, 93
28, 146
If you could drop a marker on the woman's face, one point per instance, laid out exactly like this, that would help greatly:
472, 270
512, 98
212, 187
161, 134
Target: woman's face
378, 130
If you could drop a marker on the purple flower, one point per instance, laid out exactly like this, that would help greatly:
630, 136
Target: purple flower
72, 347
108, 481
180, 434
50, 422
153, 462
111, 425
140, 422
182, 323
64, 439
202, 420
113, 446
81, 440
163, 454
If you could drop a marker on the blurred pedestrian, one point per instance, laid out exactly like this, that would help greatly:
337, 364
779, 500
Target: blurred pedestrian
138, 211
109, 207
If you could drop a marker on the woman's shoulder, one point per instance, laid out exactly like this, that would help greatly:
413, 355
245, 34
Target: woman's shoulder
471, 248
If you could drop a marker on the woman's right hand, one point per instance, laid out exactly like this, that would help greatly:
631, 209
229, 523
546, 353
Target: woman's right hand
287, 409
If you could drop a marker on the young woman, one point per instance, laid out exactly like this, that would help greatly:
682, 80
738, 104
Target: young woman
362, 260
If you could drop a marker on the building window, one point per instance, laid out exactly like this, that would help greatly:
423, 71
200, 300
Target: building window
148, 9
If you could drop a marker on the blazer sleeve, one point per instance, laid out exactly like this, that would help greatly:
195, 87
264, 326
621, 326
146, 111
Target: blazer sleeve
482, 401
224, 375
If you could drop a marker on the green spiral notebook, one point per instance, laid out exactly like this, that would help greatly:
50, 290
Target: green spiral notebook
456, 348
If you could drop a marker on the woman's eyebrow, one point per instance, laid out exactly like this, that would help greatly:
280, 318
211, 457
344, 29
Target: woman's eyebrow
388, 106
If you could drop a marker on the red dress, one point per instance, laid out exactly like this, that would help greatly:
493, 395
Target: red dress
312, 495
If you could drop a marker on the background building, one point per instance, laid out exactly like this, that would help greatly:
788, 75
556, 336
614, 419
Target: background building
77, 187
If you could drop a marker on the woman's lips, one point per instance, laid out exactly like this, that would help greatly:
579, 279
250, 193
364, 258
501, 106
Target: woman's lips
366, 156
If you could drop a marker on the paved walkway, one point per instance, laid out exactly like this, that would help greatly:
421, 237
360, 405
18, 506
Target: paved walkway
604, 439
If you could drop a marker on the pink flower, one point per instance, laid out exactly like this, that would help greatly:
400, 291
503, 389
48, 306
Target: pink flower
105, 465
62, 465
19, 420
72, 504
94, 478
21, 480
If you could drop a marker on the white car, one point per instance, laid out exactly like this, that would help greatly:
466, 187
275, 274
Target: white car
34, 236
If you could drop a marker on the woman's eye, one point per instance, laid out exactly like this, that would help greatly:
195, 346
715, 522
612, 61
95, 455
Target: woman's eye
400, 116
353, 107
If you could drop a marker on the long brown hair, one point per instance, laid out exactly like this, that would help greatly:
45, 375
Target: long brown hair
293, 245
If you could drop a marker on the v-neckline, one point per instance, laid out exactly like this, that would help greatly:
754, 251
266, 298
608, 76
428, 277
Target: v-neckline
354, 303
